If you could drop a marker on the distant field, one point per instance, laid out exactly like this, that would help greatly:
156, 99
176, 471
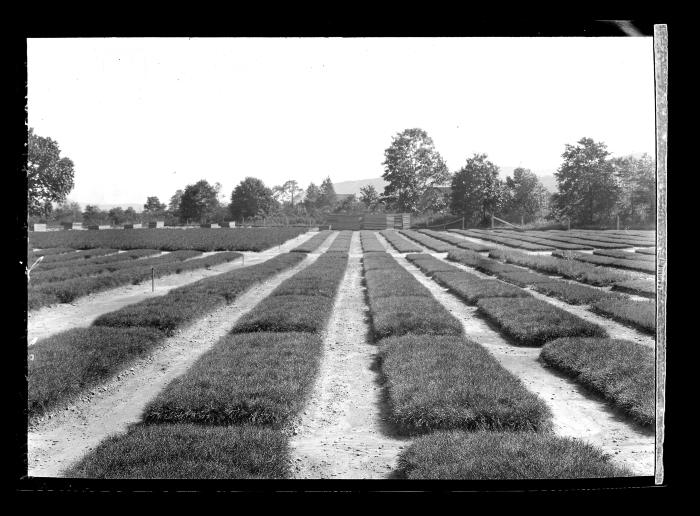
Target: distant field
167, 239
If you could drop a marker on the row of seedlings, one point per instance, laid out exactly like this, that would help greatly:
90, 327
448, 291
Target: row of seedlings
621, 371
398, 242
632, 240
228, 415
649, 251
170, 239
118, 274
453, 394
434, 244
510, 242
68, 364
77, 255
370, 243
456, 241
627, 255
591, 242
639, 314
312, 243
58, 271
518, 235
635, 265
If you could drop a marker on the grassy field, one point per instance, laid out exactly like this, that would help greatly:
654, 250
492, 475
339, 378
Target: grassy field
621, 371
487, 455
167, 239
504, 240
532, 322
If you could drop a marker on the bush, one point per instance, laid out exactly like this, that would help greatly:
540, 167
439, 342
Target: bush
621, 371
640, 314
257, 378
400, 243
70, 362
188, 451
533, 322
487, 455
445, 383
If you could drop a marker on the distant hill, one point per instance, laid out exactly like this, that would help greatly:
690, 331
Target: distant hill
353, 187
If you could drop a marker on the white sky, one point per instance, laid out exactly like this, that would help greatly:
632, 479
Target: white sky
144, 117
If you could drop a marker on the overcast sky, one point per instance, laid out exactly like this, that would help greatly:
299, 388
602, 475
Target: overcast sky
144, 117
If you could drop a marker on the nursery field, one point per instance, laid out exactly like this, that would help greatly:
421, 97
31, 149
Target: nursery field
415, 354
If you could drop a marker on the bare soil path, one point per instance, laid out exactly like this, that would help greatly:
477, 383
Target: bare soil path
53, 319
576, 412
341, 433
56, 442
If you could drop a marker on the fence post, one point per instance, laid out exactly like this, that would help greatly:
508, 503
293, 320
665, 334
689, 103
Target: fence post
462, 221
618, 222
568, 222
522, 220
493, 225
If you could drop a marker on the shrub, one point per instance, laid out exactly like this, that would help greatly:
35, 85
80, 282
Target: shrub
487, 455
533, 322
621, 371
70, 362
400, 243
257, 378
438, 382
640, 314
188, 451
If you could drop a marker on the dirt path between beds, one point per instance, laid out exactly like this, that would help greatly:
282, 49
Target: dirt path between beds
576, 412
56, 442
49, 320
341, 433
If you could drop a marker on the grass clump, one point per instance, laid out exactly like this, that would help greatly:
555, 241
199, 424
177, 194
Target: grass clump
256, 378
640, 314
446, 382
64, 365
487, 455
621, 371
400, 243
532, 322
188, 451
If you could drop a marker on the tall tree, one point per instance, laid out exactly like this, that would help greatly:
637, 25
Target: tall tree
411, 165
476, 190
67, 211
117, 215
369, 197
153, 205
287, 192
93, 215
636, 178
199, 202
311, 197
588, 190
526, 194
327, 198
130, 215
250, 198
174, 205
49, 176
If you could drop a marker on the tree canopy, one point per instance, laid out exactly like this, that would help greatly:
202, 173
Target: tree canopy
251, 198
199, 202
588, 190
637, 181
411, 165
49, 176
369, 197
476, 190
525, 195
153, 205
